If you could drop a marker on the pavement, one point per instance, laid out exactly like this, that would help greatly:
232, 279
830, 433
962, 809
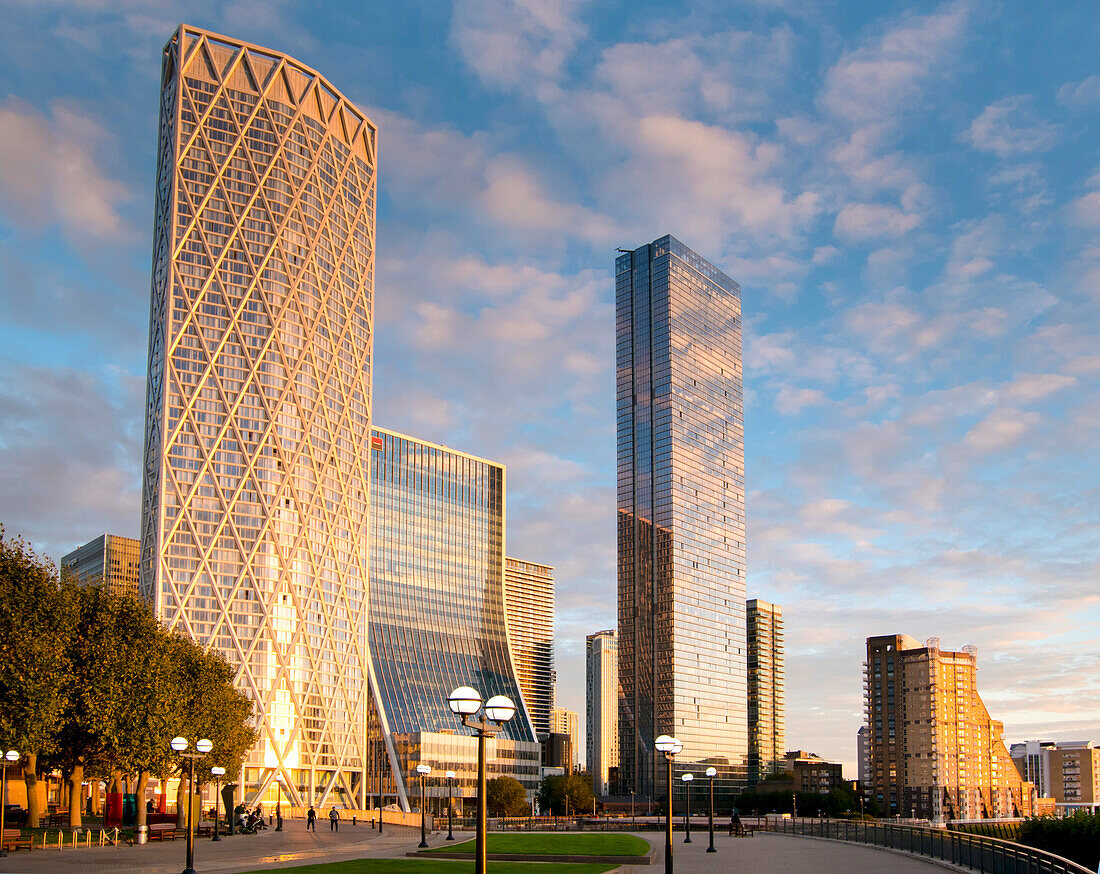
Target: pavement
762, 854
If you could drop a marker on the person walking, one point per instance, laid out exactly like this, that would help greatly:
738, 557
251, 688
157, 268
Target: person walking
334, 820
311, 819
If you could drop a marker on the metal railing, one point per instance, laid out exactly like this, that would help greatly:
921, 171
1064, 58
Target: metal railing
979, 853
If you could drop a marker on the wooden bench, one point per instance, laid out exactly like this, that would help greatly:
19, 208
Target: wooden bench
744, 831
166, 831
13, 839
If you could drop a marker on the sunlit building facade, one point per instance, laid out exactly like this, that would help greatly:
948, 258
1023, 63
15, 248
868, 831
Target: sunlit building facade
933, 750
767, 689
256, 471
564, 721
110, 560
601, 724
681, 516
529, 595
437, 616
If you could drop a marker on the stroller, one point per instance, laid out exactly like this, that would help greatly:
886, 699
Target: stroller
252, 823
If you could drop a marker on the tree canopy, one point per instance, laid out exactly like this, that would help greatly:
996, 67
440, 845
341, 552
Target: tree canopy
556, 789
506, 797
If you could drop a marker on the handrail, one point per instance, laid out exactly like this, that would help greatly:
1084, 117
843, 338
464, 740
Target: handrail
977, 852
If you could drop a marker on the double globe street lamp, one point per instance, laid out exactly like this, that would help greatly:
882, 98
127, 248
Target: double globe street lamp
202, 747
10, 757
499, 709
668, 747
423, 770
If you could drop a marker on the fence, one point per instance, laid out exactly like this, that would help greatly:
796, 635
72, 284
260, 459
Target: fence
984, 854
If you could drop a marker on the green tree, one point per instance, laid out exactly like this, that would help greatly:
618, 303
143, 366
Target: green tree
36, 619
506, 797
555, 790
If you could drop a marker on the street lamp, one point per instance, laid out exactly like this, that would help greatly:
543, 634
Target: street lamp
668, 747
278, 802
632, 823
218, 773
466, 702
711, 774
450, 805
202, 747
423, 770
687, 778
13, 757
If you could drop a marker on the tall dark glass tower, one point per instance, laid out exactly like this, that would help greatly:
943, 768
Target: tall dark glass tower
681, 528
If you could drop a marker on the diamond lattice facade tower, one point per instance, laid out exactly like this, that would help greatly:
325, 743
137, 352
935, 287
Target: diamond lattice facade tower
255, 493
681, 529
529, 591
437, 619
767, 689
602, 708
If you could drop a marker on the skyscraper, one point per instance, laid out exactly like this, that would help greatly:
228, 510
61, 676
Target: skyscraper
681, 527
602, 708
529, 595
934, 751
767, 696
564, 721
437, 613
109, 558
257, 437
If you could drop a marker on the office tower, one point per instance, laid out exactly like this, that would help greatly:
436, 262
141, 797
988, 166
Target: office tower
681, 527
567, 722
767, 706
529, 595
109, 558
257, 430
935, 753
437, 614
601, 722
1075, 776
1032, 760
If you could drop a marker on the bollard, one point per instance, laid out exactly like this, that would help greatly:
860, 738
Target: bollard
353, 819
142, 835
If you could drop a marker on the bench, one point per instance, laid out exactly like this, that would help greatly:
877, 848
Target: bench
166, 831
13, 839
744, 831
58, 818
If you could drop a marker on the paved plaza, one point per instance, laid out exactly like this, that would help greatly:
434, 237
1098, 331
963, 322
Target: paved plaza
763, 854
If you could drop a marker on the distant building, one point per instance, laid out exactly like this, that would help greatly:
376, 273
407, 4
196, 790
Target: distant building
566, 722
767, 695
1075, 775
529, 592
602, 708
557, 752
934, 750
1032, 760
114, 560
813, 774
863, 762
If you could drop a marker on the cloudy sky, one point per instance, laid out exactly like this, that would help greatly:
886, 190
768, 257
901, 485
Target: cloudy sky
909, 195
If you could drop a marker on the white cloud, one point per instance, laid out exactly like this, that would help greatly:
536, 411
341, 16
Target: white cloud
1002, 429
866, 221
1010, 128
792, 401
1080, 95
1035, 386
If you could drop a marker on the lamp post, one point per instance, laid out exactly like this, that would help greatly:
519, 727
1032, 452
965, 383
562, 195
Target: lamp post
13, 757
711, 774
450, 805
423, 770
381, 761
218, 773
278, 802
466, 702
632, 822
668, 747
202, 747
687, 778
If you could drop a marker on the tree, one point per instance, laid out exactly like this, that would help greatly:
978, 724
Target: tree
556, 790
36, 618
506, 797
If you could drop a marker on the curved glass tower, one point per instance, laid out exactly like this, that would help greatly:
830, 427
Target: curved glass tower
255, 493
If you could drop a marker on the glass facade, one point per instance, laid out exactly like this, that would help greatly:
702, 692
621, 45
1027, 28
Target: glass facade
437, 613
255, 491
767, 690
529, 592
110, 559
681, 516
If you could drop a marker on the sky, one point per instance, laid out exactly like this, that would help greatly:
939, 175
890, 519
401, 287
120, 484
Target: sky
908, 193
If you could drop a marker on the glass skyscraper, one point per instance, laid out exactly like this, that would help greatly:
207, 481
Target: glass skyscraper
681, 516
437, 617
767, 690
257, 436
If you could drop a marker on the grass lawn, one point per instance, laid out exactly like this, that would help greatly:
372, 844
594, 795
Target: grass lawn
442, 866
570, 844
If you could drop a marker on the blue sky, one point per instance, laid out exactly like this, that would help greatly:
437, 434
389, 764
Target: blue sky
909, 195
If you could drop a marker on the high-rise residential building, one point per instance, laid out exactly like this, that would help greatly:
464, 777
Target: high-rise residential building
110, 559
564, 721
1032, 760
767, 690
863, 758
437, 617
601, 722
257, 429
1075, 775
934, 750
681, 509
529, 595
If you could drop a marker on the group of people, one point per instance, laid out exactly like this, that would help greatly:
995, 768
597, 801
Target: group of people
250, 821
333, 819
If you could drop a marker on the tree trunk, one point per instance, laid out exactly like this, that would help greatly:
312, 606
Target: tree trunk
182, 793
139, 791
30, 778
76, 777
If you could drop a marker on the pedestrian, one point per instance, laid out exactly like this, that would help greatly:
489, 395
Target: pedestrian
334, 820
311, 819
735, 824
